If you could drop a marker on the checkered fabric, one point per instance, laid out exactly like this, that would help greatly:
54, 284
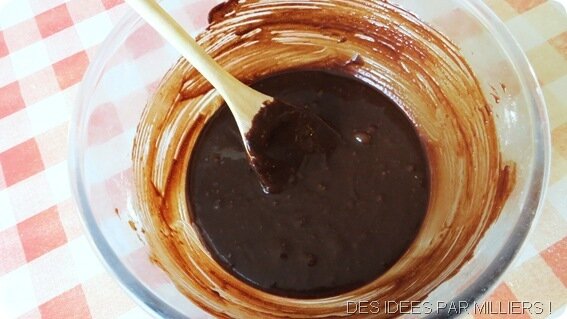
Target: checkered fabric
47, 268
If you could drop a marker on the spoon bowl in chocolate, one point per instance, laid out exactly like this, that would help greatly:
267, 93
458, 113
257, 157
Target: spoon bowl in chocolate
261, 119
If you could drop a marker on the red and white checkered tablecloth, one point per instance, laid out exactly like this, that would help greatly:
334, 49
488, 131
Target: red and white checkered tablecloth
48, 269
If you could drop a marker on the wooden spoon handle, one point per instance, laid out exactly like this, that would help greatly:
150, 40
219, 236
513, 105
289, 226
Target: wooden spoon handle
243, 100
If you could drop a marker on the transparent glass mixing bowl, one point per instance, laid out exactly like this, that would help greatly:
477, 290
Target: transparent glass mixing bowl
133, 60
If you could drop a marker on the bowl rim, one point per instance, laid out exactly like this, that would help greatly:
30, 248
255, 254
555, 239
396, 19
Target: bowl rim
539, 177
151, 303
144, 297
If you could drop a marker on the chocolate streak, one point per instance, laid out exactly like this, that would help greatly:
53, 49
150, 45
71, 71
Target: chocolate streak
403, 57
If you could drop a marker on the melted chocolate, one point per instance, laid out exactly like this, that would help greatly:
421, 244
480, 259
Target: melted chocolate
349, 211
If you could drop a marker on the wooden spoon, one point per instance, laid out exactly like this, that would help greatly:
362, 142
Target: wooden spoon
259, 117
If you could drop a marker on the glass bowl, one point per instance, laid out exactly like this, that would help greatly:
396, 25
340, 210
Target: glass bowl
133, 60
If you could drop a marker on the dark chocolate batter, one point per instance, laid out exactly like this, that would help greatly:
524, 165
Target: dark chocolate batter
343, 219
